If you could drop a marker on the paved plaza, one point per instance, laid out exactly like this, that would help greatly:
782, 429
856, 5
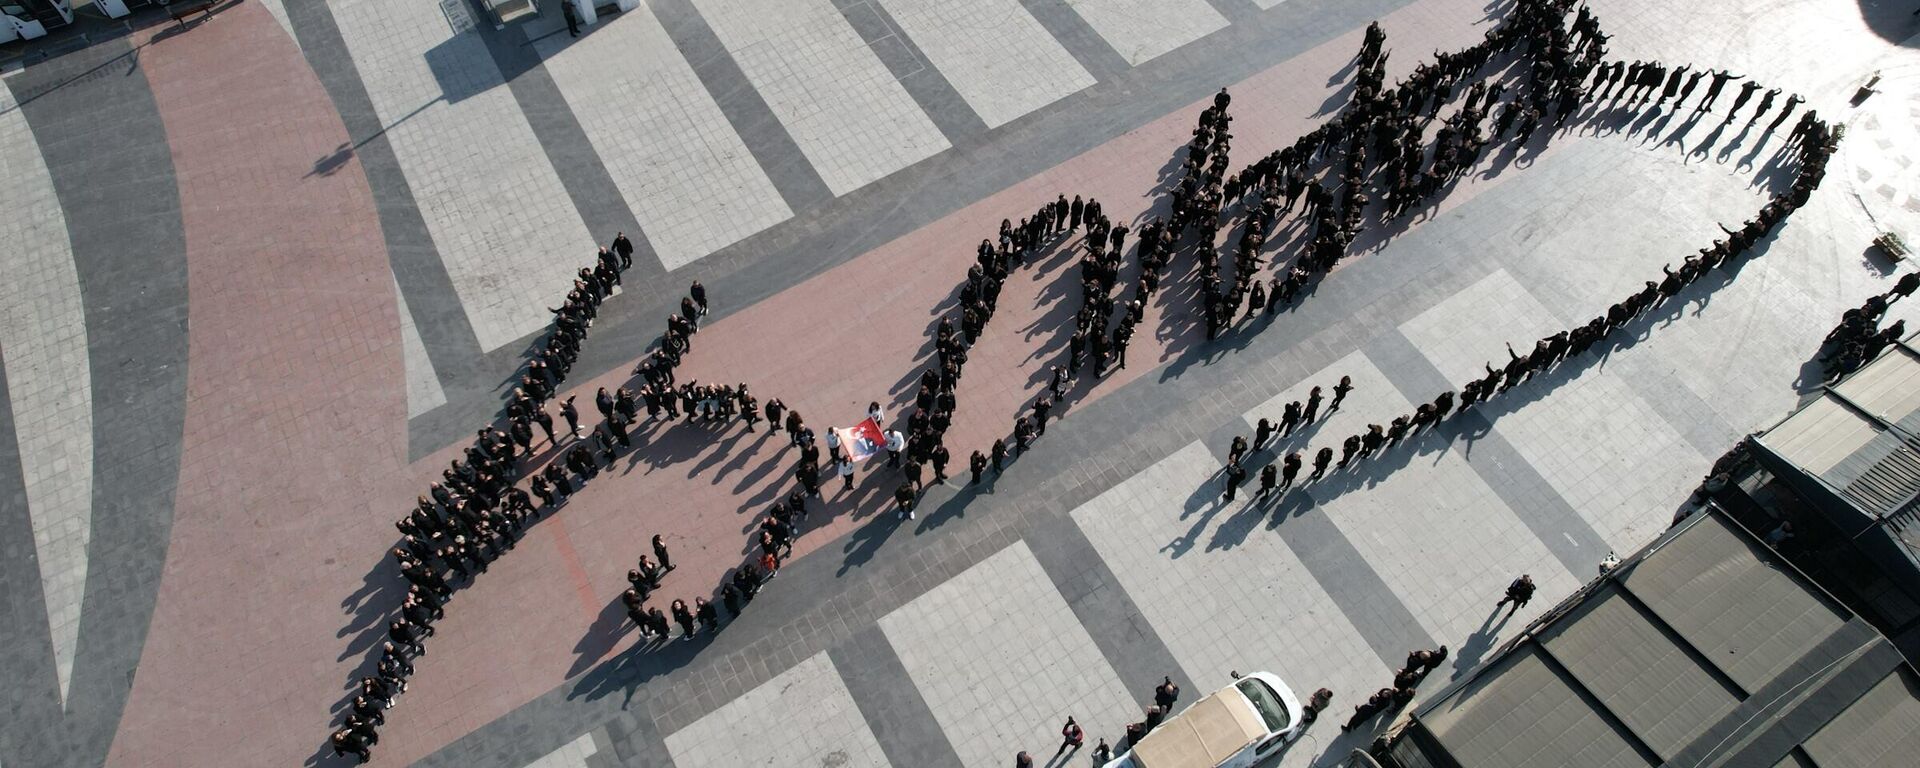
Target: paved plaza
263, 276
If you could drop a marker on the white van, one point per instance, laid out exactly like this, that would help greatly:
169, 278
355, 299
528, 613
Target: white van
1239, 726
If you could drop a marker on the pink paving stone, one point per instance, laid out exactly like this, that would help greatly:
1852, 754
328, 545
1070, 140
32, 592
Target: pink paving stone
294, 384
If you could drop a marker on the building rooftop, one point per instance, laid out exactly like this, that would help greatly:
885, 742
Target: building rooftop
1706, 648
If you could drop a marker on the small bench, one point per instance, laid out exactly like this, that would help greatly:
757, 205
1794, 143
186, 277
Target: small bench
1893, 245
180, 11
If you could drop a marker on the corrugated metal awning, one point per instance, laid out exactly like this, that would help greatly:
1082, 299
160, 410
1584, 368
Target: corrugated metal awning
1875, 730
1722, 593
1521, 714
1645, 676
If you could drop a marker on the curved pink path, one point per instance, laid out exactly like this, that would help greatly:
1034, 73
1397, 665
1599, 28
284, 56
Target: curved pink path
294, 435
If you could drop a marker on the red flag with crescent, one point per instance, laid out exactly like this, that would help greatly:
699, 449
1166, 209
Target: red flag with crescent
862, 440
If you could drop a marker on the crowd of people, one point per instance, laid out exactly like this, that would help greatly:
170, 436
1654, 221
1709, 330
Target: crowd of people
1375, 149
1859, 338
475, 511
1563, 60
1405, 681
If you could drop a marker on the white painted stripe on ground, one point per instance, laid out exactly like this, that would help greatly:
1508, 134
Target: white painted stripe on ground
842, 106
1029, 664
669, 148
1143, 29
43, 343
423, 382
803, 716
500, 218
994, 53
573, 754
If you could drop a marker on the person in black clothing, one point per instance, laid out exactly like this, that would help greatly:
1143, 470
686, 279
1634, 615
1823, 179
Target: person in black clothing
1518, 593
1236, 475
660, 553
683, 616
623, 248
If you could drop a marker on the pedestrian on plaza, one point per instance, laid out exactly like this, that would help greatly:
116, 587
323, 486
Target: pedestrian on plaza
1904, 287
939, 459
999, 454
911, 471
1071, 737
1166, 693
1746, 93
572, 415
903, 501
660, 552
845, 468
623, 248
1320, 462
1236, 475
896, 443
1313, 406
545, 421
632, 599
407, 634
684, 617
1720, 80
1290, 418
348, 741
709, 616
977, 464
1348, 449
572, 16
1023, 760
1269, 480
808, 474
1022, 434
1340, 393
1786, 110
1518, 593
1041, 408
698, 293
1237, 450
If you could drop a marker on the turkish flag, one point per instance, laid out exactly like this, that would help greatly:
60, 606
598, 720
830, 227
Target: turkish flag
862, 440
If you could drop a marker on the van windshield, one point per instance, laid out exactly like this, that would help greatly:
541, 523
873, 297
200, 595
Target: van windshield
1267, 703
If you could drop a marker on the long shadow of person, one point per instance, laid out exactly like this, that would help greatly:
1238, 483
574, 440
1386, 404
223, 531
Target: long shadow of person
1481, 641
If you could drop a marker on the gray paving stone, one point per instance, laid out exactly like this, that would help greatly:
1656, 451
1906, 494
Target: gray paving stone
1104, 607
490, 198
838, 101
130, 257
894, 709
803, 716
666, 144
600, 202
995, 54
44, 337
445, 332
926, 83
1141, 30
1033, 665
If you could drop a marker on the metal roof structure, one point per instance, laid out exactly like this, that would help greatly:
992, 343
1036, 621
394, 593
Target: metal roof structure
1704, 649
1861, 438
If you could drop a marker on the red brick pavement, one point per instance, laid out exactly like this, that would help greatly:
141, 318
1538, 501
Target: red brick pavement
295, 437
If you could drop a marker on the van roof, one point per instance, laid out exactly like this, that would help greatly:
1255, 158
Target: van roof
1210, 731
